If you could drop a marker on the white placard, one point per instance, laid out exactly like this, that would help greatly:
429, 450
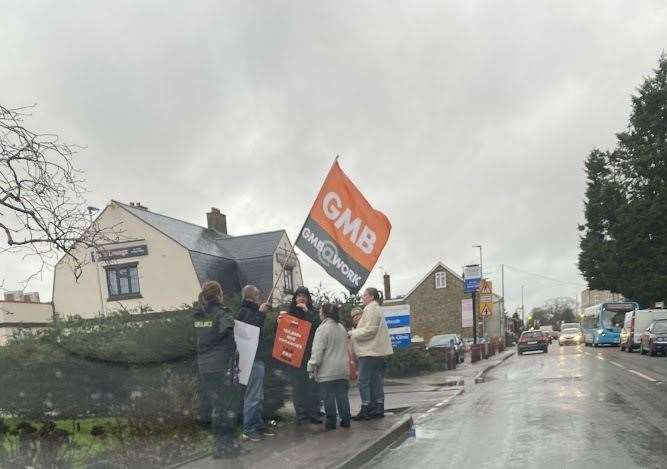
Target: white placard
247, 339
466, 312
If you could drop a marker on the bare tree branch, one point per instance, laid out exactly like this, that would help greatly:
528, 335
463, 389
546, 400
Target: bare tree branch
43, 211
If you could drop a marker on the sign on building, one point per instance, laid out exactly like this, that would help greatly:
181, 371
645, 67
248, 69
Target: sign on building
398, 321
472, 275
466, 312
120, 253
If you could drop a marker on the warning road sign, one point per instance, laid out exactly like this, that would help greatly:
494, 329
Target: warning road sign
486, 310
485, 287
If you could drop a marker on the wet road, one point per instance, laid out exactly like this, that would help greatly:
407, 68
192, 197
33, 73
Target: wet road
573, 407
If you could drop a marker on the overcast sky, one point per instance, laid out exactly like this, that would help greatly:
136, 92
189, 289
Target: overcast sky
465, 122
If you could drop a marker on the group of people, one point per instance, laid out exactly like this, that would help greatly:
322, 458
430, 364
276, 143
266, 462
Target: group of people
322, 378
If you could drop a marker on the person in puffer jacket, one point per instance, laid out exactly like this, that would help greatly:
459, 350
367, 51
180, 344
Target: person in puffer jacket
217, 360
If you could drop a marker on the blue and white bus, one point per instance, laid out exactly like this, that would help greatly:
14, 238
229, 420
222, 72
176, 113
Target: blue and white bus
602, 323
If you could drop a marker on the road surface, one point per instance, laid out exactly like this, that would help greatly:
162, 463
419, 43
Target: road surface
573, 407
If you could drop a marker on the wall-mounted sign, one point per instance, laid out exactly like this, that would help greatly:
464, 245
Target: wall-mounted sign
398, 321
119, 253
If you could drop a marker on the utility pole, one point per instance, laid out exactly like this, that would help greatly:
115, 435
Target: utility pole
523, 310
502, 293
481, 273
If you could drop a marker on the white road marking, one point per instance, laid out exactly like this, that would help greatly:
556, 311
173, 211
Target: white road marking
641, 375
616, 364
432, 409
600, 357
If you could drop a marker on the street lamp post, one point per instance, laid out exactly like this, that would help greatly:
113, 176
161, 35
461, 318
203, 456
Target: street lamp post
481, 272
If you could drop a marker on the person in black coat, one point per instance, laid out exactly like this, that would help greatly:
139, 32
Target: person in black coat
217, 360
305, 394
251, 312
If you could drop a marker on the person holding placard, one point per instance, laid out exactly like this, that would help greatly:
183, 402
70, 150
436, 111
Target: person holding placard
251, 312
304, 391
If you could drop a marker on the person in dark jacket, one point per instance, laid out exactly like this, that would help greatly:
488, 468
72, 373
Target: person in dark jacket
217, 360
251, 312
305, 395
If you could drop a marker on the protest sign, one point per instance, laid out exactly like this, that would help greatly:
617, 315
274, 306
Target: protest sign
247, 338
291, 340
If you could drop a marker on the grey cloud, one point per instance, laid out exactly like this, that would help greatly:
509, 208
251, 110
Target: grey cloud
466, 122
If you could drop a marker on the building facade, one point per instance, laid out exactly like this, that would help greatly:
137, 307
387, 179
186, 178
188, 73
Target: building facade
23, 312
435, 304
158, 263
590, 297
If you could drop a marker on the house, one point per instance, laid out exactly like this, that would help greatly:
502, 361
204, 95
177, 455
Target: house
435, 306
23, 311
435, 303
590, 297
158, 263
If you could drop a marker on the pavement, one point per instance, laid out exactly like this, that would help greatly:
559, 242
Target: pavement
572, 407
311, 446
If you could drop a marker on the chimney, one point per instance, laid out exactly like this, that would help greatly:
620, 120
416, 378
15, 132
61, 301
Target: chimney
387, 287
216, 221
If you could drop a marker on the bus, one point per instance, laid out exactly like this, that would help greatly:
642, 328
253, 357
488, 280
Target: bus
602, 323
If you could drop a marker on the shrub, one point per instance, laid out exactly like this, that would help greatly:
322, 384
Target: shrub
410, 361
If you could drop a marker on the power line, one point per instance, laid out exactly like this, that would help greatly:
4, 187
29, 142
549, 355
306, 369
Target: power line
547, 278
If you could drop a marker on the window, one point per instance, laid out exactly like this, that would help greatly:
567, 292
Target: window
123, 281
441, 280
288, 279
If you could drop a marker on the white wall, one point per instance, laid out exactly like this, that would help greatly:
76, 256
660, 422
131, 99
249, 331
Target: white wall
167, 278
19, 312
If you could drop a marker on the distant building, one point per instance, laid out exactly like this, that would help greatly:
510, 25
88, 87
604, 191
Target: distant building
590, 297
23, 312
159, 263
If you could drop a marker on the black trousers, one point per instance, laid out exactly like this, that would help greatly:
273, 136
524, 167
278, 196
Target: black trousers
305, 395
222, 400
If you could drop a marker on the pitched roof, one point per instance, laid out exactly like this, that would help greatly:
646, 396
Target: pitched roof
232, 260
190, 236
253, 245
436, 266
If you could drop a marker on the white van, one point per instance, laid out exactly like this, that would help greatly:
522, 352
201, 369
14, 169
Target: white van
635, 323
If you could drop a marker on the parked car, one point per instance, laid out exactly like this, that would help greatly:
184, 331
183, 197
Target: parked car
548, 332
635, 323
531, 341
571, 335
654, 339
452, 341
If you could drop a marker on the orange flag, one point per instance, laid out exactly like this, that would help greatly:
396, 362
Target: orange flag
343, 232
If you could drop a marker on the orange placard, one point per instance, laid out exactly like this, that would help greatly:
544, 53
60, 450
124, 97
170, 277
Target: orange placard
291, 340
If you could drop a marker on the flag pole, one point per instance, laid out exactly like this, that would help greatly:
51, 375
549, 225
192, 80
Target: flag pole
291, 252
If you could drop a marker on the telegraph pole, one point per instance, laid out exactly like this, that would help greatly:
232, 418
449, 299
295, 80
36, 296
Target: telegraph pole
523, 310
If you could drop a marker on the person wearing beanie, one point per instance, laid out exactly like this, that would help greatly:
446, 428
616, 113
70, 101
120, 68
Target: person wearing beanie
217, 361
305, 394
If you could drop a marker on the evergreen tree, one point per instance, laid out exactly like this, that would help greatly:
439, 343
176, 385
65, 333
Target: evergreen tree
597, 260
624, 242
